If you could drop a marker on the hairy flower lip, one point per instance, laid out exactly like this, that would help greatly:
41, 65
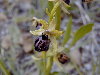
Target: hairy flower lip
42, 43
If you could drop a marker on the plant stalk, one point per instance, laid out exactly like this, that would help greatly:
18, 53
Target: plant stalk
58, 18
49, 65
44, 62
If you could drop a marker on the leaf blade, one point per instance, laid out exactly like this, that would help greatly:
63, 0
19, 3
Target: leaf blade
81, 32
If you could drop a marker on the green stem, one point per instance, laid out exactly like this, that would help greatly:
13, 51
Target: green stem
53, 11
58, 18
44, 62
49, 65
3, 68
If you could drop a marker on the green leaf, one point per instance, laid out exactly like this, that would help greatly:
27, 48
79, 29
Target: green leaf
68, 31
81, 32
3, 68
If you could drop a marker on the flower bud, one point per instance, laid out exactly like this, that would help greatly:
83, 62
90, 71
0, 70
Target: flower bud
63, 58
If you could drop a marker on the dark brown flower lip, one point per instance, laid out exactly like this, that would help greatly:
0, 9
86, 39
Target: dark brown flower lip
42, 43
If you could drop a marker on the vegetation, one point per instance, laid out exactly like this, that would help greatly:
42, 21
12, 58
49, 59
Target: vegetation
62, 38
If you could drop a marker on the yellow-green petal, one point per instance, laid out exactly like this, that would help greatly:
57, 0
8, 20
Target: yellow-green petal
56, 33
44, 24
35, 58
37, 32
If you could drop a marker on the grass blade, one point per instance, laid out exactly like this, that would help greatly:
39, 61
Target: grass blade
3, 68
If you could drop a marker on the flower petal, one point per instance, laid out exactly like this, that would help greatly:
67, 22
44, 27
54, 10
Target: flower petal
37, 32
35, 58
44, 24
56, 33
57, 62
